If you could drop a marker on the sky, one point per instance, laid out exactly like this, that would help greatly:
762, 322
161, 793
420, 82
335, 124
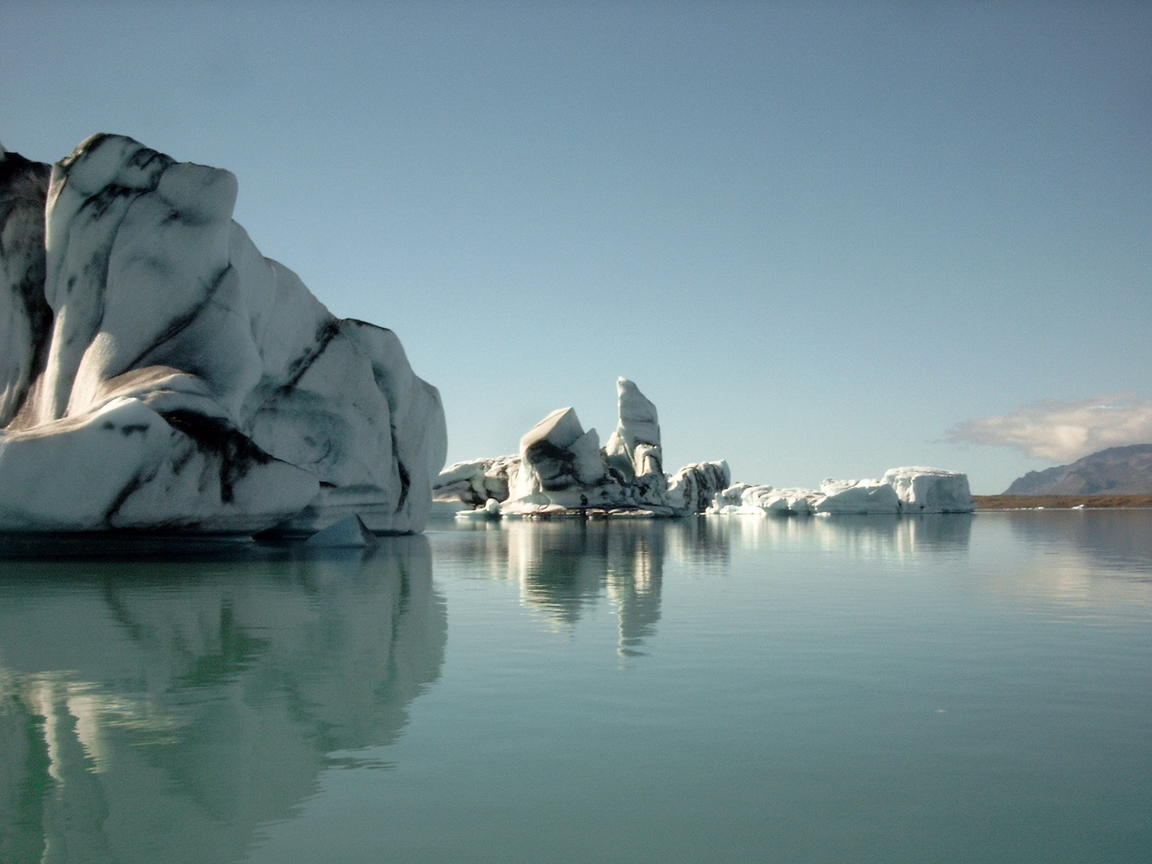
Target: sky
825, 238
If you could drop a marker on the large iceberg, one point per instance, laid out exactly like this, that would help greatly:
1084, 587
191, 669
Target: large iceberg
158, 373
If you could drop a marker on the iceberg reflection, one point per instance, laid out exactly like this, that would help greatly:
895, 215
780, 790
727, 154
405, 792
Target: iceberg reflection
562, 567
873, 536
567, 566
154, 709
1089, 559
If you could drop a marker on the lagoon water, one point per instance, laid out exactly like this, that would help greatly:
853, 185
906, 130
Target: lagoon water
873, 689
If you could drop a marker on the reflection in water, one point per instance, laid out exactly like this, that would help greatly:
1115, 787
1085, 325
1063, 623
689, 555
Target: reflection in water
561, 568
160, 710
564, 567
1089, 559
1111, 538
892, 537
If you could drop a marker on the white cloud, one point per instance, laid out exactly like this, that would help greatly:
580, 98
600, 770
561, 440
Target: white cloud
1064, 431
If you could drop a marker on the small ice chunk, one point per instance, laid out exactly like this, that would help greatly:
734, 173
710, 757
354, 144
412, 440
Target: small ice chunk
349, 532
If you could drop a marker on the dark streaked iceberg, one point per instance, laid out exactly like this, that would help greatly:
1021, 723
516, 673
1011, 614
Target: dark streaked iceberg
561, 470
158, 373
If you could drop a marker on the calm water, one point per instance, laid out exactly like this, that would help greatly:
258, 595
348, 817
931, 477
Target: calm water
934, 689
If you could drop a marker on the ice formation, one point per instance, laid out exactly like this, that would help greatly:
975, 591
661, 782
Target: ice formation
692, 488
475, 482
900, 490
748, 499
634, 448
350, 532
930, 490
159, 373
856, 496
561, 469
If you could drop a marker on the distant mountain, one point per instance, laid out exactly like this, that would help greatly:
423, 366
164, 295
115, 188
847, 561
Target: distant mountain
1115, 471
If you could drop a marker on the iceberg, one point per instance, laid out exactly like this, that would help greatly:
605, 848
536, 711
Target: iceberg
930, 490
474, 482
693, 487
911, 490
350, 532
158, 373
561, 470
856, 496
744, 499
634, 448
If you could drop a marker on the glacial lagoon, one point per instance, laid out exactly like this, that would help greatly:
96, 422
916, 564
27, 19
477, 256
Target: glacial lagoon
871, 689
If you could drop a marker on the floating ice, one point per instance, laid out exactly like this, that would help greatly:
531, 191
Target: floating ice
474, 482
901, 490
856, 496
159, 373
561, 470
692, 488
930, 490
348, 532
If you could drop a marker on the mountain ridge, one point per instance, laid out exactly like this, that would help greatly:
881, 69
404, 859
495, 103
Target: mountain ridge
1113, 471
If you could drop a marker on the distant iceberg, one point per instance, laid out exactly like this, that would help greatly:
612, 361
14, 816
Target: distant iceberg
900, 491
561, 470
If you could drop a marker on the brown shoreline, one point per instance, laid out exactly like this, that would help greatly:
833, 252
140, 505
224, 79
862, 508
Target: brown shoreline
1058, 502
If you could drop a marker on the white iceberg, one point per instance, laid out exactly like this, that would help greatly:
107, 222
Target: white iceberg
930, 490
159, 373
899, 491
744, 499
634, 448
856, 496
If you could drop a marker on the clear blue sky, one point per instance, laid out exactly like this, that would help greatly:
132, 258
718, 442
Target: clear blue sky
820, 236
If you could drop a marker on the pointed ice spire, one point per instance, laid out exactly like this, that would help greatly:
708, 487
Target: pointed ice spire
636, 440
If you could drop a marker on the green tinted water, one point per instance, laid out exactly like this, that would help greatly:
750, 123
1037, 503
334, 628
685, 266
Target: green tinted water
947, 689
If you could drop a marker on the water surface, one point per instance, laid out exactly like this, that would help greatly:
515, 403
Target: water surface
923, 689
